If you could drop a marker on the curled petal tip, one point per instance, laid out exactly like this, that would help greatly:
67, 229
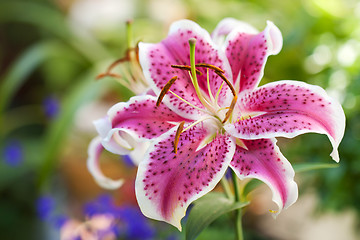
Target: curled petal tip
335, 155
94, 151
275, 37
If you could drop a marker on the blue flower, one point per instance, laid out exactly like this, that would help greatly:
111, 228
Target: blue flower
51, 106
13, 153
44, 207
131, 223
135, 225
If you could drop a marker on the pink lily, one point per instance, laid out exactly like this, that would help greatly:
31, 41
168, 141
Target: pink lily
214, 116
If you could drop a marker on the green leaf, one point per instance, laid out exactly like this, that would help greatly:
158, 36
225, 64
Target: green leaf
23, 66
19, 71
85, 91
304, 167
206, 210
251, 185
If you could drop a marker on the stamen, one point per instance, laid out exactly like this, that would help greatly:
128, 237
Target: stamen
165, 89
200, 109
215, 68
231, 109
177, 135
107, 74
227, 82
208, 85
186, 67
198, 121
113, 65
218, 92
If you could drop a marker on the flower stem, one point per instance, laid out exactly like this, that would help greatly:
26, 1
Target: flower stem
238, 212
226, 187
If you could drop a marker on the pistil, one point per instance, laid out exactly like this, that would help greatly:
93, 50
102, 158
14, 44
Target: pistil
192, 42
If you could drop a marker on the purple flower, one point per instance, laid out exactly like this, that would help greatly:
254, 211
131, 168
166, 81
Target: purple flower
134, 225
13, 153
45, 206
131, 223
211, 114
51, 106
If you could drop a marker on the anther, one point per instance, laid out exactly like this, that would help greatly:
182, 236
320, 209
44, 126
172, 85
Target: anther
108, 72
177, 135
227, 82
215, 68
231, 109
186, 67
165, 89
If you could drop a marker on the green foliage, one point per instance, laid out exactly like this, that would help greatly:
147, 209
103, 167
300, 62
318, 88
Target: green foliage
206, 210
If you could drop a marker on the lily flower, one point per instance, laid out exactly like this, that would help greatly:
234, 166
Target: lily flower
210, 114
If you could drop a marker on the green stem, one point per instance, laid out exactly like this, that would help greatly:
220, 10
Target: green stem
129, 34
238, 212
227, 189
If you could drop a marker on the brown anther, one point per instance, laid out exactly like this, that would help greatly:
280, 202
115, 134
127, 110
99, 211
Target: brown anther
227, 82
165, 89
186, 67
102, 75
215, 68
231, 109
117, 62
177, 135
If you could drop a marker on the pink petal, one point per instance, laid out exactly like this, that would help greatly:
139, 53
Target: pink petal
167, 183
288, 109
263, 160
247, 53
142, 119
228, 25
156, 61
94, 152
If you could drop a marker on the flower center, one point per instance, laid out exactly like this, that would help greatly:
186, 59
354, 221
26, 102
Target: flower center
209, 102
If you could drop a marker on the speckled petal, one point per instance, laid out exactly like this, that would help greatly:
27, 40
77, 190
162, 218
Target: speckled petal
141, 117
247, 54
167, 183
94, 152
288, 109
156, 61
263, 160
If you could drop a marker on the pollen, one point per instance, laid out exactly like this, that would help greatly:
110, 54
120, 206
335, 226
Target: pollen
273, 211
165, 89
177, 135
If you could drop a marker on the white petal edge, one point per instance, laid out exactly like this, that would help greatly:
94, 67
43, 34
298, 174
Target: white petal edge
94, 152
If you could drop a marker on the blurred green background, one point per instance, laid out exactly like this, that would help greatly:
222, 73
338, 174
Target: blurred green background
51, 52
